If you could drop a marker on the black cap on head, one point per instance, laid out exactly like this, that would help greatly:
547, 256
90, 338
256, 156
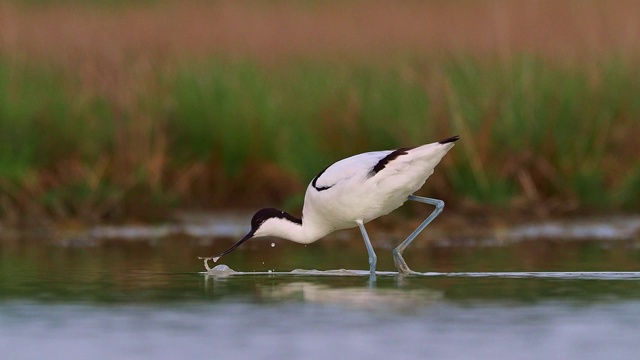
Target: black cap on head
270, 213
257, 220
262, 215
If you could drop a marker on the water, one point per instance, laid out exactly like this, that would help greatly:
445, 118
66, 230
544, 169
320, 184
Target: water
150, 297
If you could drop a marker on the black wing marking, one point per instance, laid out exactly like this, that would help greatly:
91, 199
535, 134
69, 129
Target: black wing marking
448, 140
321, 188
385, 160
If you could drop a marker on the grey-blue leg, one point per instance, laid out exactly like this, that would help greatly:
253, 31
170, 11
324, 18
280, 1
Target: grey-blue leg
372, 255
397, 252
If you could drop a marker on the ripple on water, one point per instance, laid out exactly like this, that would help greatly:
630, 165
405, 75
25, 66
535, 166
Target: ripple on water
224, 270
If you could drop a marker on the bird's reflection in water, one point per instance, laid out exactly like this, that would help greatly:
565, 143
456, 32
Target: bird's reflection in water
365, 297
327, 288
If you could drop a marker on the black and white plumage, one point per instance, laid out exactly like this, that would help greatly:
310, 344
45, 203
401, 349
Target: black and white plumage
354, 191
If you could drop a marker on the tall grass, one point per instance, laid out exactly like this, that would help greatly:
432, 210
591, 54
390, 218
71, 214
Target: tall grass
536, 135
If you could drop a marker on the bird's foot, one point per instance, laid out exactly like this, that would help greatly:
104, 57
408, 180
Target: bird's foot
401, 265
408, 272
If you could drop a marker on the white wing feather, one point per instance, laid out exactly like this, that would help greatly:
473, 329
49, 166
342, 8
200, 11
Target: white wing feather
355, 166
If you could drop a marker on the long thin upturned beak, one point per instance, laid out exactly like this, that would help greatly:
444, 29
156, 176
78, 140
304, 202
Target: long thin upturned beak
233, 247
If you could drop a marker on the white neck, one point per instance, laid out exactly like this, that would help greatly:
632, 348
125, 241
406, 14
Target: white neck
303, 233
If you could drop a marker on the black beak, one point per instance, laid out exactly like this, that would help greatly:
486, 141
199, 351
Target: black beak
233, 247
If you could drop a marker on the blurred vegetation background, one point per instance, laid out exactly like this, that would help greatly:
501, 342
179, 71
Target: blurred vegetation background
113, 110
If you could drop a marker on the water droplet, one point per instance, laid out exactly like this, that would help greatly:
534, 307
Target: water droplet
273, 244
270, 271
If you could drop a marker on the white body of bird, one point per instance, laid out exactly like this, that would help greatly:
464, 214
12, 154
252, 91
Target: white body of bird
354, 191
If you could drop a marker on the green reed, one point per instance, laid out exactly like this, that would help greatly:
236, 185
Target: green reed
535, 134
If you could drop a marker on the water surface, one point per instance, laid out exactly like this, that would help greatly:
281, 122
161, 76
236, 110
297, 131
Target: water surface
150, 298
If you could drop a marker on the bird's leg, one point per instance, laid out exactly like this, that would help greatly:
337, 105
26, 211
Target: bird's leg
402, 266
372, 255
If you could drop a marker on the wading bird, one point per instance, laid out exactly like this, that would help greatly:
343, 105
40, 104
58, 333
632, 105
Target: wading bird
354, 191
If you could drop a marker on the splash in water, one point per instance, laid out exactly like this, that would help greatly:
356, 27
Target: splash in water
221, 271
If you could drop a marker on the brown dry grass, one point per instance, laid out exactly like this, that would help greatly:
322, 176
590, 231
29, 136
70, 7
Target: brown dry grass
272, 30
